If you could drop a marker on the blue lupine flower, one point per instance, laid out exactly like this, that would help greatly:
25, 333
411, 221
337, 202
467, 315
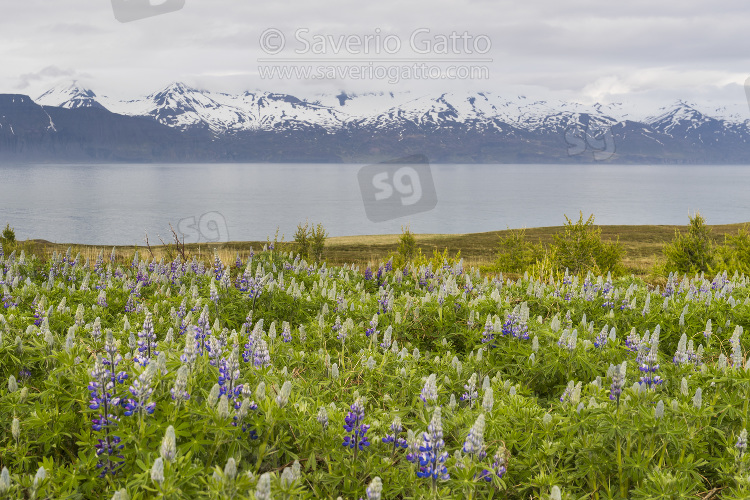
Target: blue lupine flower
353, 423
432, 456
229, 373
141, 391
488, 332
393, 437
103, 391
147, 342
515, 326
368, 274
499, 465
261, 356
601, 339
286, 332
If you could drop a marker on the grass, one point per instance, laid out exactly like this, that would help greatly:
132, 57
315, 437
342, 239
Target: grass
642, 244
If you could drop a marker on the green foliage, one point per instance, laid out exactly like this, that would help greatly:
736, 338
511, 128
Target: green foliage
516, 336
310, 240
407, 245
516, 254
8, 239
302, 239
580, 249
734, 254
693, 251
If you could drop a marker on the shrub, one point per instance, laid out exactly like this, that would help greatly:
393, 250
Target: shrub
318, 237
8, 238
734, 255
580, 249
515, 253
407, 245
310, 240
302, 239
691, 252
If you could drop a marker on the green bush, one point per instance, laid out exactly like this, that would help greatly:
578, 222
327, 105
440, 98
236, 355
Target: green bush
691, 252
579, 248
516, 254
734, 255
407, 245
310, 240
8, 239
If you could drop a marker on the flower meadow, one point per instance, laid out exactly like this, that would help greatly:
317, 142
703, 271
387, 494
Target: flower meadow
270, 377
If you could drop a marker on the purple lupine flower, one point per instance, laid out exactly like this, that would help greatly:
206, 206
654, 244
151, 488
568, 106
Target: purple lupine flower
368, 274
141, 391
353, 424
218, 267
261, 356
432, 456
104, 398
286, 332
393, 437
515, 326
488, 334
102, 299
650, 365
229, 373
373, 326
601, 339
499, 465
147, 342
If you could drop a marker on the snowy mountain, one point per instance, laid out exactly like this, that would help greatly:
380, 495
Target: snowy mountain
450, 126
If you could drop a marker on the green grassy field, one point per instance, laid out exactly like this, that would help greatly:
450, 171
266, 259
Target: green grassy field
642, 244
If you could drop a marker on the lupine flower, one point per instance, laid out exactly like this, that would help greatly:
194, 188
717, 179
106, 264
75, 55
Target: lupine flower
263, 489
286, 332
283, 397
708, 330
471, 393
4, 475
698, 398
15, 429
488, 332
681, 354
488, 401
659, 410
141, 391
229, 373
157, 471
375, 489
555, 493
741, 444
223, 407
618, 381
169, 445
322, 417
601, 339
474, 443
261, 356
429, 392
353, 423
12, 384
650, 365
103, 390
147, 342
432, 456
386, 344
499, 464
396, 429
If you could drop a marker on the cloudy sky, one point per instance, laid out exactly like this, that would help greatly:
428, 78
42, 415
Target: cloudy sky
589, 50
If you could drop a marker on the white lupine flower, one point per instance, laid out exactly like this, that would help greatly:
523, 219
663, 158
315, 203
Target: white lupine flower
283, 397
15, 429
698, 398
429, 392
157, 471
230, 469
489, 400
263, 490
223, 407
659, 410
684, 387
375, 489
4, 481
41, 475
169, 445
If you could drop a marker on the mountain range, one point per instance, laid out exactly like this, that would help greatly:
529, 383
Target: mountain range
183, 124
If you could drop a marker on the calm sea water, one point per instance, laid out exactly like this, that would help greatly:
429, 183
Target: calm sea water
119, 204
